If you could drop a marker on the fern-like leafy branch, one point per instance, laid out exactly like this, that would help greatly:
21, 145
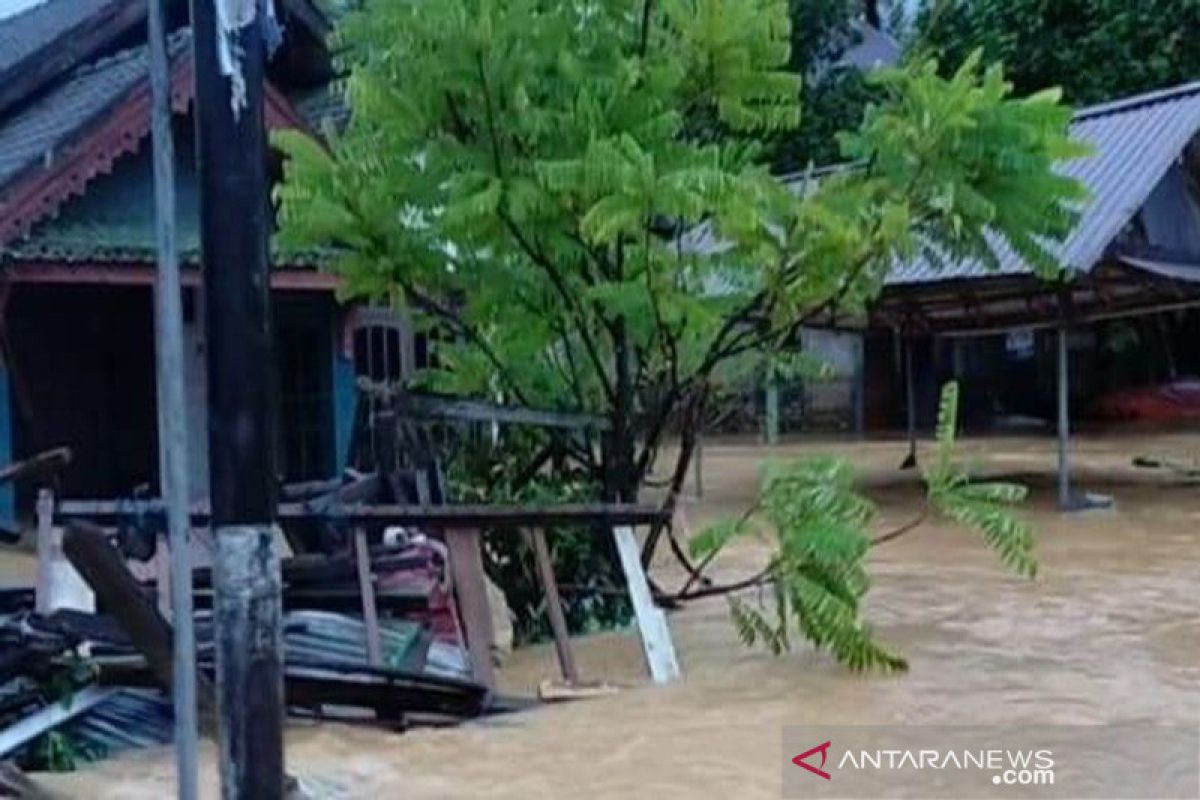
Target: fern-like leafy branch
820, 524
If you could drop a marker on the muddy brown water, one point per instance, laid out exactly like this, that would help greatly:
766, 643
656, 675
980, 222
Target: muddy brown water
1109, 631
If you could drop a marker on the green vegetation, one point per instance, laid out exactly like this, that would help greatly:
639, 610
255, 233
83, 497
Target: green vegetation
820, 529
1096, 50
498, 470
517, 174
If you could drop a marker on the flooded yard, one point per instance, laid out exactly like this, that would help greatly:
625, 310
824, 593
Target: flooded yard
1109, 631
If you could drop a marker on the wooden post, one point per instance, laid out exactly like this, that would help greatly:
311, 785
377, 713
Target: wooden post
162, 576
229, 54
466, 569
558, 622
366, 588
652, 622
1064, 419
45, 552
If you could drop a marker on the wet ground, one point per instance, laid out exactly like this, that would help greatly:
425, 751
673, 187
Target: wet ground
1109, 631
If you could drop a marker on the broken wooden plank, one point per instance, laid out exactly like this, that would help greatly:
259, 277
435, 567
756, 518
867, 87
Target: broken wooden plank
366, 587
44, 463
553, 692
466, 569
102, 567
558, 622
651, 621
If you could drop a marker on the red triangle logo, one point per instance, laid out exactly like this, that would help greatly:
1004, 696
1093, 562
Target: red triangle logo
823, 749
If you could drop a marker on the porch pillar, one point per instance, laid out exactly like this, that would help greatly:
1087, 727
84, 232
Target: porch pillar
1064, 419
344, 398
910, 403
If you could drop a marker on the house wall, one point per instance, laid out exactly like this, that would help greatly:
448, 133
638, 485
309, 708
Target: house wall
837, 401
81, 373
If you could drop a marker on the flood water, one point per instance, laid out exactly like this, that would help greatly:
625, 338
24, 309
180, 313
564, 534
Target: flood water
1109, 631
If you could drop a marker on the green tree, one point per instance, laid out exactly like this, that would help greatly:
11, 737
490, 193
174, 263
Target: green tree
1096, 50
834, 94
517, 172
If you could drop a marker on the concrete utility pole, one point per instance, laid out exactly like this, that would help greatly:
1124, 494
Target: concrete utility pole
172, 406
230, 56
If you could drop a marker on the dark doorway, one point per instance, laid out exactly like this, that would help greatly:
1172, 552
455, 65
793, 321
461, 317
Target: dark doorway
82, 375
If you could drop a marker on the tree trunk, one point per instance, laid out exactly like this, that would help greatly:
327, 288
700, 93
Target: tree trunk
620, 481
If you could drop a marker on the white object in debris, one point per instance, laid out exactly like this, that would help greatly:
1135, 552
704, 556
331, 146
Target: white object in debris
58, 584
651, 621
502, 622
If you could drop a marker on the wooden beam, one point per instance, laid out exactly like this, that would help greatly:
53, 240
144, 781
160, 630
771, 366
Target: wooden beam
558, 621
137, 273
450, 516
102, 567
366, 587
466, 569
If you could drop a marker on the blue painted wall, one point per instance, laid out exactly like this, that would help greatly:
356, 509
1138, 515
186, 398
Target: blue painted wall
344, 398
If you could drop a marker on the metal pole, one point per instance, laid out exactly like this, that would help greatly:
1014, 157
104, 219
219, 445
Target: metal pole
1064, 420
172, 407
235, 224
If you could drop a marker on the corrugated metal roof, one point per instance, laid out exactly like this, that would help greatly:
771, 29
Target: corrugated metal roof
100, 722
129, 719
1135, 140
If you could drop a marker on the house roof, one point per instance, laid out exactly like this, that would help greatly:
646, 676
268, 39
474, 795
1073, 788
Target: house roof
79, 28
1135, 141
34, 134
24, 34
56, 146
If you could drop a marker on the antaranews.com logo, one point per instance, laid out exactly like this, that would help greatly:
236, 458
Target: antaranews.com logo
1008, 767
986, 762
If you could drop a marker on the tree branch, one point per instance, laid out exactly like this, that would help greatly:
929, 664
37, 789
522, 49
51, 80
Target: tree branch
903, 529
